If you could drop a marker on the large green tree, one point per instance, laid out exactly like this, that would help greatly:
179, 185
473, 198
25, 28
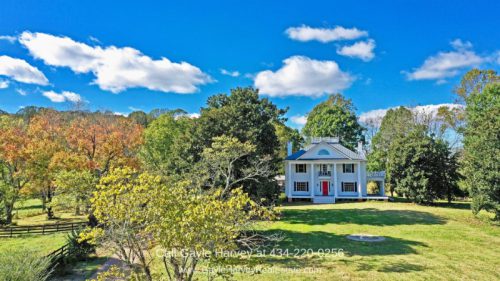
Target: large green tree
395, 124
250, 119
421, 167
481, 91
166, 145
335, 117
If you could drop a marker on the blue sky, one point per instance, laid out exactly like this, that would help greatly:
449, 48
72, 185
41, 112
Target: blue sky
129, 55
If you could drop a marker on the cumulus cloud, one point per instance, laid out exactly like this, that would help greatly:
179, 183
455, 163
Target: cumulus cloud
299, 120
115, 69
21, 71
447, 64
375, 117
302, 76
4, 84
62, 97
230, 73
10, 39
362, 50
306, 33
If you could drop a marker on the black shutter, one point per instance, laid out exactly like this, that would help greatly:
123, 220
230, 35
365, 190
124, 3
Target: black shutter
343, 168
353, 168
294, 186
355, 186
305, 168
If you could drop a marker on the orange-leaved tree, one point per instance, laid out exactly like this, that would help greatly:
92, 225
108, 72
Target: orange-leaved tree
13, 161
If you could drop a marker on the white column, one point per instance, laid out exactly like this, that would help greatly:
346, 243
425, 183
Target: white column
359, 180
382, 188
313, 186
289, 180
335, 179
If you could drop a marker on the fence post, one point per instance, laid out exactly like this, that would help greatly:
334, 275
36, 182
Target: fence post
43, 229
57, 227
10, 232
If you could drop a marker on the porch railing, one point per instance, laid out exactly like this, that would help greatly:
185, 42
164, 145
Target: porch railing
377, 174
325, 173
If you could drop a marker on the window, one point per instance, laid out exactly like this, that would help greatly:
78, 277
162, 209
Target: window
301, 186
323, 152
348, 168
300, 168
349, 187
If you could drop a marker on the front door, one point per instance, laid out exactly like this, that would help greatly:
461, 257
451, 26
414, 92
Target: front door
324, 185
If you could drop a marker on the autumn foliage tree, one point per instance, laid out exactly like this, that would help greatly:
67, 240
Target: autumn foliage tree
45, 132
14, 157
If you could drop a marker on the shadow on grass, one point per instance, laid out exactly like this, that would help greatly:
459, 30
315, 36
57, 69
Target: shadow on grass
323, 246
28, 207
368, 216
319, 241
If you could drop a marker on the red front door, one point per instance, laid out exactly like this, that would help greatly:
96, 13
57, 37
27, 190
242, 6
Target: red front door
324, 186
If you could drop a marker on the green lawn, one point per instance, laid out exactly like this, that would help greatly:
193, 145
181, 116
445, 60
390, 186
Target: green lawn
29, 212
42, 244
423, 243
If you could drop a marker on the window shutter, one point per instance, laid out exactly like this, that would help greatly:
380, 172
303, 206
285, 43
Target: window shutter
343, 168
353, 168
355, 186
294, 186
305, 168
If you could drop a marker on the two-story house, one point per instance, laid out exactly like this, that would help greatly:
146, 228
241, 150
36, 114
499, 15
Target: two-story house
325, 171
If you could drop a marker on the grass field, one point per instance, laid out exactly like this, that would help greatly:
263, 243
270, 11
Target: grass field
29, 212
42, 244
422, 243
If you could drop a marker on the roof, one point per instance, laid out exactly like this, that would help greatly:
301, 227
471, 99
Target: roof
295, 155
349, 154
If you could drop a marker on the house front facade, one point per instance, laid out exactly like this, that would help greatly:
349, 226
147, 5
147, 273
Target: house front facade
326, 171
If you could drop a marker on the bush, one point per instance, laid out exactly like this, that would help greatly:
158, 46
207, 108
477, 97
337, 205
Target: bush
78, 250
373, 188
23, 265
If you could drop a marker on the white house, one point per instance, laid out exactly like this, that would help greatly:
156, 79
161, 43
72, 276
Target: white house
326, 170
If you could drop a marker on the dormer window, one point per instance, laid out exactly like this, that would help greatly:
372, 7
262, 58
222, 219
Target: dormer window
323, 152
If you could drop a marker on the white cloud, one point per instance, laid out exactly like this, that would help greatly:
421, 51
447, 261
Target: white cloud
375, 116
4, 84
120, 114
115, 69
21, 71
62, 97
362, 50
10, 39
299, 120
21, 92
230, 73
447, 64
134, 108
306, 33
302, 76
193, 115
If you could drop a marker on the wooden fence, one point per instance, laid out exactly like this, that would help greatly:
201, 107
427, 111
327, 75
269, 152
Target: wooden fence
11, 231
58, 256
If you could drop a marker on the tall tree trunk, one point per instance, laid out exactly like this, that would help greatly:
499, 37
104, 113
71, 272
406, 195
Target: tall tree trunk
9, 208
44, 201
50, 211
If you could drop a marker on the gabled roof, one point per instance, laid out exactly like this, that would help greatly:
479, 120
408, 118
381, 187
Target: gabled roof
343, 152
